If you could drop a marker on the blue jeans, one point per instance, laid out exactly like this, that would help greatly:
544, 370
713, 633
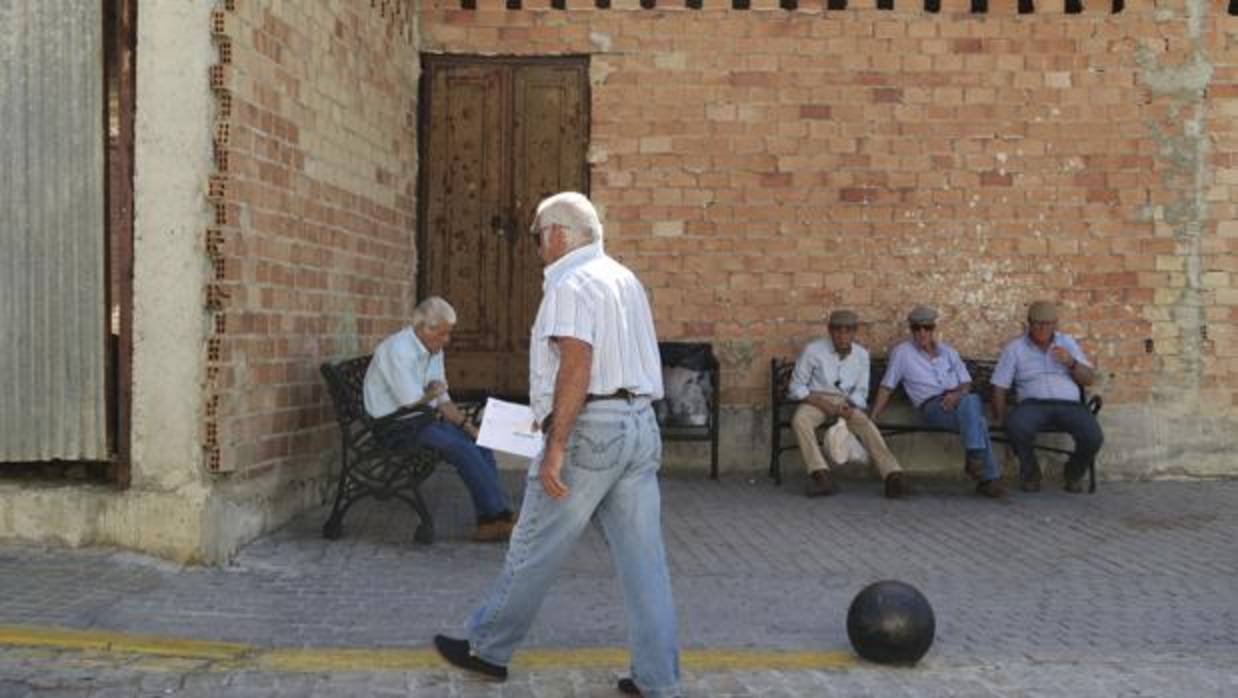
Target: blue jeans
611, 471
474, 464
967, 419
1031, 417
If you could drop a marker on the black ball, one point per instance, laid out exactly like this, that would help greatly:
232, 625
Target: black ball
891, 622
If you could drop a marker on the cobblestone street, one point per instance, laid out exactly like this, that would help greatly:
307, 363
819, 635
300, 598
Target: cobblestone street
1126, 593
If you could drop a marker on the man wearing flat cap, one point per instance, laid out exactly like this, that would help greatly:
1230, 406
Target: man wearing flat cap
938, 384
1048, 371
831, 382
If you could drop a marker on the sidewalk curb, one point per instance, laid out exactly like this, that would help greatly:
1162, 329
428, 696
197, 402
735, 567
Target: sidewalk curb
234, 656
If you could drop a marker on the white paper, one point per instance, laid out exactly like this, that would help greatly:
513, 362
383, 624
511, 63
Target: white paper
508, 427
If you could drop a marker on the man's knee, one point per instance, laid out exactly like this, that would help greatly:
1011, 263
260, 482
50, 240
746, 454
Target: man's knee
805, 417
1019, 427
1088, 434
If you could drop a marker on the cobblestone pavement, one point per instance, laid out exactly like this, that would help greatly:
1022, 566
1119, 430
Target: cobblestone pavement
1128, 592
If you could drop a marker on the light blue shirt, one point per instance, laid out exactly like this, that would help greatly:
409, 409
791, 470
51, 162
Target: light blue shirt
1035, 374
924, 376
399, 372
821, 370
591, 297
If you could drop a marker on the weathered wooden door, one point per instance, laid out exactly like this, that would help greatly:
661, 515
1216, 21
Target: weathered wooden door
497, 135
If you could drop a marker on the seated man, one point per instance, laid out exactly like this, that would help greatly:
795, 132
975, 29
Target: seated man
938, 384
831, 382
407, 370
1048, 371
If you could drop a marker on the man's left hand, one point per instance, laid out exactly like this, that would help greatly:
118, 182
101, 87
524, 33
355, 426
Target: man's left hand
548, 472
951, 400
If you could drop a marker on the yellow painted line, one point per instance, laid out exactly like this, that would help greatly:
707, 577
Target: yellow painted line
331, 660
233, 656
24, 636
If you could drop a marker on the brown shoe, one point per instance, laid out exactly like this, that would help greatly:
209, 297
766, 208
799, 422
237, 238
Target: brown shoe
974, 467
1031, 482
498, 531
820, 484
1074, 486
897, 486
993, 489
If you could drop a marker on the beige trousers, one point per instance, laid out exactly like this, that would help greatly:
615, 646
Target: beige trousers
806, 420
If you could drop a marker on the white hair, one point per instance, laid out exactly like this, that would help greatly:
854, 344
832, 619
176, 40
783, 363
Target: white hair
573, 212
432, 312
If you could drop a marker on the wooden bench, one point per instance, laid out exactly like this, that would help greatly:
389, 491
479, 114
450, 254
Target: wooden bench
369, 466
782, 409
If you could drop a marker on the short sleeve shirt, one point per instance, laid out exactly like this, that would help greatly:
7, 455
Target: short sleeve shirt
589, 296
1034, 373
924, 376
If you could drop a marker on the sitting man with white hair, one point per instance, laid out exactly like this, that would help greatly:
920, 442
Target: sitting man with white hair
407, 370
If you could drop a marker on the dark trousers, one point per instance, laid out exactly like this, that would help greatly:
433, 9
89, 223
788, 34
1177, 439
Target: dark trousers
1030, 417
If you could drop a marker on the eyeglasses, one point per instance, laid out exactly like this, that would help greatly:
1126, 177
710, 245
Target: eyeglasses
917, 327
536, 231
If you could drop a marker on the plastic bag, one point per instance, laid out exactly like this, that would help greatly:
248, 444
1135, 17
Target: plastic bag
843, 446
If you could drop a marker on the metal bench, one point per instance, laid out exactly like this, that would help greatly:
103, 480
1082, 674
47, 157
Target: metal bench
369, 467
701, 357
782, 409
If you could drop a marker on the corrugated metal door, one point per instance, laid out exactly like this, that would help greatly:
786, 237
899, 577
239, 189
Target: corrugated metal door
52, 296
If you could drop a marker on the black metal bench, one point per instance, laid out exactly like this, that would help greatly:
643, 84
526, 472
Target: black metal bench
369, 466
782, 409
672, 353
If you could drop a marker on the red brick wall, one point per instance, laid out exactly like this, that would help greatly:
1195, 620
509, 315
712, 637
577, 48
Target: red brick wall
758, 168
313, 247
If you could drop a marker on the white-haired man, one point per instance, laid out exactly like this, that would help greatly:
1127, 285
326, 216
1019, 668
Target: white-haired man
594, 369
407, 370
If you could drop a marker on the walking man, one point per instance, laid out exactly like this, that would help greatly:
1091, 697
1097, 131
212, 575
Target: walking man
1048, 371
594, 369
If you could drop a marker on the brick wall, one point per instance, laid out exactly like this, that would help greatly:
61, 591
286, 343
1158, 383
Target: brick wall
757, 168
312, 248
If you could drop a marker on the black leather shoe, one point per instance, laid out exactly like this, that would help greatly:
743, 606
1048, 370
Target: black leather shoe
457, 653
1074, 476
628, 687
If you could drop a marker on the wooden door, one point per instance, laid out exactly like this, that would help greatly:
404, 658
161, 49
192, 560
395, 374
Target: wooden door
498, 135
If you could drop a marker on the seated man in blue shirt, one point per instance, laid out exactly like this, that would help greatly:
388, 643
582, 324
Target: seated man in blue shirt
1048, 371
831, 382
407, 370
938, 384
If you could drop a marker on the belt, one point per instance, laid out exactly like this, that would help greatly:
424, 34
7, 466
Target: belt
620, 394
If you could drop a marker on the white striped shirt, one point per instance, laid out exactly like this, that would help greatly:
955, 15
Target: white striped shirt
591, 297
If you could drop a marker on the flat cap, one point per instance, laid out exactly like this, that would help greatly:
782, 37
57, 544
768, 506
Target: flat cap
844, 318
922, 314
1042, 311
